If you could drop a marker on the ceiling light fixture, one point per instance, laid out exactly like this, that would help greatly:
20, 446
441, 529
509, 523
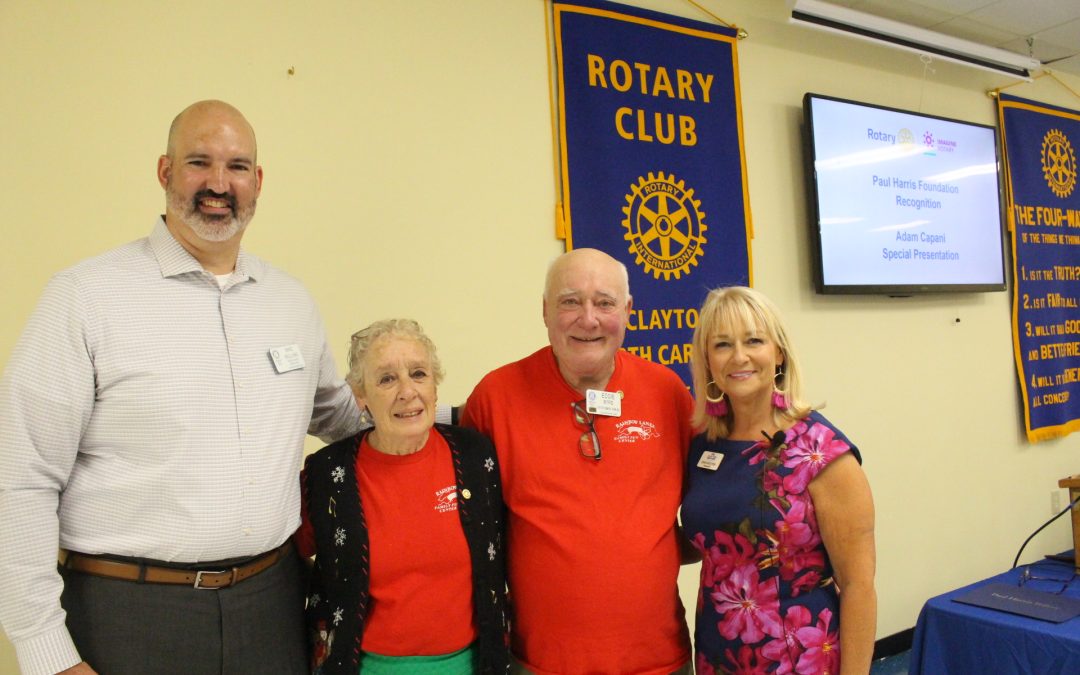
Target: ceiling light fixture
837, 19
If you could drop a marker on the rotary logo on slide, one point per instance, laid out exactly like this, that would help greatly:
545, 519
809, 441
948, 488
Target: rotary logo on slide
664, 225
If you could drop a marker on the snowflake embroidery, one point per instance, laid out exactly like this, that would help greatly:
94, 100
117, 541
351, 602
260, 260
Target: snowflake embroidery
489, 464
314, 600
338, 615
338, 474
339, 536
491, 551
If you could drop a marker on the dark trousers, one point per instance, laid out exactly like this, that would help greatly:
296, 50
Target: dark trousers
256, 626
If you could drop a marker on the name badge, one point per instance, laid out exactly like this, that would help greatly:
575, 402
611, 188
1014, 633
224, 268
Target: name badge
607, 403
287, 358
710, 460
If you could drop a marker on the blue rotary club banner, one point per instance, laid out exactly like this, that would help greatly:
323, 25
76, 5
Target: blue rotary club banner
653, 171
1043, 204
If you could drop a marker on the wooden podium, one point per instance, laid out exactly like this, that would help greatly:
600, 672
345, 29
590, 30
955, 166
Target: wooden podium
1073, 483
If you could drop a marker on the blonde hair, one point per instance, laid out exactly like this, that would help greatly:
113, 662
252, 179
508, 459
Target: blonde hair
733, 309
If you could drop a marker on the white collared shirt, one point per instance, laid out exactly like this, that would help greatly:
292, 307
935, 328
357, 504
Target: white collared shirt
141, 406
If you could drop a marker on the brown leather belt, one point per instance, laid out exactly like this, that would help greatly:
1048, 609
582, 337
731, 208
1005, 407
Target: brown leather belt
151, 574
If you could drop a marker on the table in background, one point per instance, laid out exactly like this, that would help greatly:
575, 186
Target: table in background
952, 638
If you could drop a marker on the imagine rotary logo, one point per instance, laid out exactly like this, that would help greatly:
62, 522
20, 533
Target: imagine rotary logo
1058, 163
664, 225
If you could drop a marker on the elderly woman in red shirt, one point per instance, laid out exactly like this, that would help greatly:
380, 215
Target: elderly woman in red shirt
405, 521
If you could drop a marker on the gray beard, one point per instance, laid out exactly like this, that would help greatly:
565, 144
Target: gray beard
209, 228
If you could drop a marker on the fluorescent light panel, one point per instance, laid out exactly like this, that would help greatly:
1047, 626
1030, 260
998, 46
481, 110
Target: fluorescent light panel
837, 19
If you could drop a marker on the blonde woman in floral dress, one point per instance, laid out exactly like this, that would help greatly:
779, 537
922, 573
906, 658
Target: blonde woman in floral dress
776, 503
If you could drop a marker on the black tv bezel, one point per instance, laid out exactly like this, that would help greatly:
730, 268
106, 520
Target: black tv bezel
812, 197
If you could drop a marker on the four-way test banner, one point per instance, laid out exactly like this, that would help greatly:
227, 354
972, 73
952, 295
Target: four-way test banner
1043, 204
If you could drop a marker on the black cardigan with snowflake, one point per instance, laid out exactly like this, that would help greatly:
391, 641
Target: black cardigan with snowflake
339, 588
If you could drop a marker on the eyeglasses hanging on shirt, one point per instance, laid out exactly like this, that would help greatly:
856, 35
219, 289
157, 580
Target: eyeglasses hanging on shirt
588, 442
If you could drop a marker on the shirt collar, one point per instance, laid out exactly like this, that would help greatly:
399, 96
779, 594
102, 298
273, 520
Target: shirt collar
174, 260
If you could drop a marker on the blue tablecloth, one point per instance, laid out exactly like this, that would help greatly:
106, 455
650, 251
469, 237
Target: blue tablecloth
953, 638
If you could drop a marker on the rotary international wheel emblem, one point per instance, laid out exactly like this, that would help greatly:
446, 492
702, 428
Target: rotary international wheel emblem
664, 225
1058, 163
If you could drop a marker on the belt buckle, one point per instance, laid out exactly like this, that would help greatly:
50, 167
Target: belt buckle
198, 580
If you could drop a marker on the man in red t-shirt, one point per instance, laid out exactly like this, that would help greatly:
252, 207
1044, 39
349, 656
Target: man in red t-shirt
591, 442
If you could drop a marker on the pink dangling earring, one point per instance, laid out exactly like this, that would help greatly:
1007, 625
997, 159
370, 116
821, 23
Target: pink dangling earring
717, 408
715, 405
778, 398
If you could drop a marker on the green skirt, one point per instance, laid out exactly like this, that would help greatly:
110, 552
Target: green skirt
454, 663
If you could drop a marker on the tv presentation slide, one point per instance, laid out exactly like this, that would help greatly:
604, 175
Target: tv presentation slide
905, 199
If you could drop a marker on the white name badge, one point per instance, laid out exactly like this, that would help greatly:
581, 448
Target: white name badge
710, 460
607, 403
287, 358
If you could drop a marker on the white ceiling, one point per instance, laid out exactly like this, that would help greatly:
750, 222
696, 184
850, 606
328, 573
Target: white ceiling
1052, 26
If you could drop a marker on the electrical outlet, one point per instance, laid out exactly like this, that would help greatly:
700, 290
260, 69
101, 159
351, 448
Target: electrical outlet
1055, 502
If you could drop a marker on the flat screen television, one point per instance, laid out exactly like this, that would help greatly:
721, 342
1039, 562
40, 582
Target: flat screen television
902, 202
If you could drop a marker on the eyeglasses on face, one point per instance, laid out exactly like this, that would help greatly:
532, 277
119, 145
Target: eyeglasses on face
588, 442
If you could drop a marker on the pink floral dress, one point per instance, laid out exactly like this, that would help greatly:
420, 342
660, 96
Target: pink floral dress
767, 602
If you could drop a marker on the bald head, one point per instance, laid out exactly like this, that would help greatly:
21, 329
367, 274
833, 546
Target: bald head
211, 180
201, 111
586, 259
586, 306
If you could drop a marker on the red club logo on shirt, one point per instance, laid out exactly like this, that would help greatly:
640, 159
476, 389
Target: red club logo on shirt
446, 499
632, 431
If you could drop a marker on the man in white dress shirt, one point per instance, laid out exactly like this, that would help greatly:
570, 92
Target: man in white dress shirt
152, 420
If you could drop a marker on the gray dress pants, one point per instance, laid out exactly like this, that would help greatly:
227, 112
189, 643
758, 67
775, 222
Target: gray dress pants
257, 626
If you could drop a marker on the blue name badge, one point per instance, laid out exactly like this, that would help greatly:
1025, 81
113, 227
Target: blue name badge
1023, 601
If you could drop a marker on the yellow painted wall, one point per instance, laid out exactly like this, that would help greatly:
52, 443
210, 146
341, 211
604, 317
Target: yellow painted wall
409, 172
